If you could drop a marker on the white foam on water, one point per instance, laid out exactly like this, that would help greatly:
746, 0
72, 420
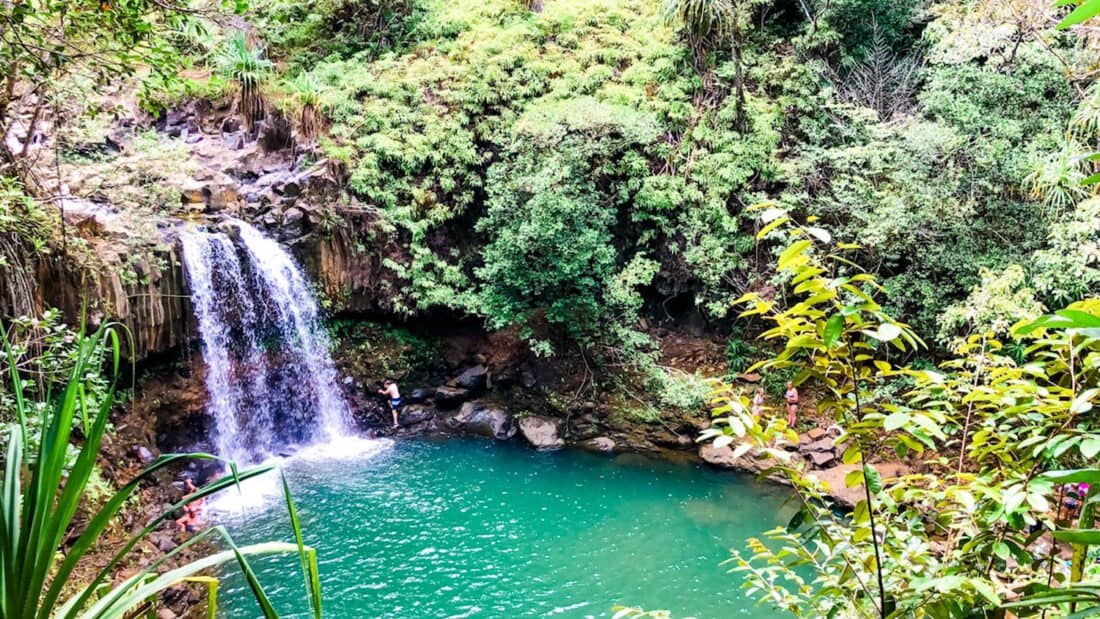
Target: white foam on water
261, 493
345, 447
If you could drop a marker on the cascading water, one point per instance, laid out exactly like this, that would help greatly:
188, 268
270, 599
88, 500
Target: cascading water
270, 379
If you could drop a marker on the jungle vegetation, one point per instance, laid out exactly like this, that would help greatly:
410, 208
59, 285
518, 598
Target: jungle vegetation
928, 254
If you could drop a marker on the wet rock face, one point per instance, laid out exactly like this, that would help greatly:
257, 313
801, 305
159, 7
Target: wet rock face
544, 433
483, 419
146, 293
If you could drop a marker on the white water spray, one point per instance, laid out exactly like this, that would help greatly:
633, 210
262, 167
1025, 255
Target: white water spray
271, 382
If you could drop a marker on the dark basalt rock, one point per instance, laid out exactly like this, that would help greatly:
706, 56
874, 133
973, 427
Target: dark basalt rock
293, 224
450, 397
483, 420
418, 395
414, 414
474, 379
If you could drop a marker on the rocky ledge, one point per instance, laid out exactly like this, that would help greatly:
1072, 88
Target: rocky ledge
816, 454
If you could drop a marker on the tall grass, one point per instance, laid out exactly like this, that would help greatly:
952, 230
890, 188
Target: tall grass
39, 498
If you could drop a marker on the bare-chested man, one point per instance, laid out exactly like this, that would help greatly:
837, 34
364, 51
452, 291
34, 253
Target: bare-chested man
390, 389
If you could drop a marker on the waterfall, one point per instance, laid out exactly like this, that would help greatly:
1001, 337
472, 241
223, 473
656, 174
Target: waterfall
271, 383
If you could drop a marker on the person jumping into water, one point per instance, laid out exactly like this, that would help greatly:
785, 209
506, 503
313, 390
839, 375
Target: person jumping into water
390, 389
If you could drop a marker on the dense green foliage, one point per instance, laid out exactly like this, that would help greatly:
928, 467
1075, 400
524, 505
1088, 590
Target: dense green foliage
964, 536
570, 167
525, 157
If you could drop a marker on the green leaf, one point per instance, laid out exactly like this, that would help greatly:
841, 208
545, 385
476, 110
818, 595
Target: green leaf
820, 234
772, 214
1090, 447
853, 478
741, 450
1078, 536
1088, 10
1073, 476
771, 226
1079, 319
1083, 402
833, 330
894, 421
792, 254
874, 480
887, 332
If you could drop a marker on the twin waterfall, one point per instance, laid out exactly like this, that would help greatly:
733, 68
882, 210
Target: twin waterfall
270, 380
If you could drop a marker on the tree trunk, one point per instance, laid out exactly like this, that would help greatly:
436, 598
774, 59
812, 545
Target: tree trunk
739, 80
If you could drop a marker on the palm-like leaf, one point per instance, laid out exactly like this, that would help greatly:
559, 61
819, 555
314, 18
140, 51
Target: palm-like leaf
701, 17
35, 517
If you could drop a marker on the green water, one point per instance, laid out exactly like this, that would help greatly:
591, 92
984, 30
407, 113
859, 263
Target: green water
481, 529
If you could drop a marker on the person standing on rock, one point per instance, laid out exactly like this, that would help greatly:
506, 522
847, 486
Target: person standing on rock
389, 389
758, 403
792, 404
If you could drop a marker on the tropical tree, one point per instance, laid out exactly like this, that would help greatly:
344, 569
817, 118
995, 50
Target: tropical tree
708, 23
306, 93
41, 495
245, 64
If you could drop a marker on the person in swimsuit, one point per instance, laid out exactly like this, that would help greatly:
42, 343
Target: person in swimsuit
191, 520
390, 389
792, 404
758, 402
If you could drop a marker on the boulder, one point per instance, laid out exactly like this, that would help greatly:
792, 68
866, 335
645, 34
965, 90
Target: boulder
418, 395
544, 433
166, 613
820, 453
833, 480
414, 414
750, 462
450, 397
293, 224
721, 457
221, 197
824, 445
484, 420
474, 379
191, 193
601, 443
822, 459
815, 434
